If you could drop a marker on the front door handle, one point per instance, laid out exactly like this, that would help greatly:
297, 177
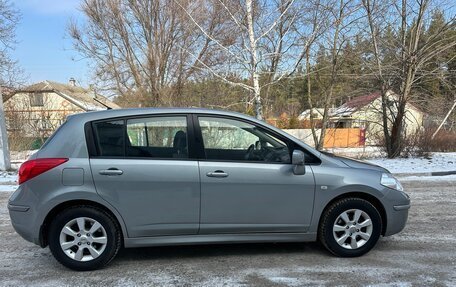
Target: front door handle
110, 171
217, 173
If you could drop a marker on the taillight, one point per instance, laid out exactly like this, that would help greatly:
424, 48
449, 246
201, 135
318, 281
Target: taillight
35, 167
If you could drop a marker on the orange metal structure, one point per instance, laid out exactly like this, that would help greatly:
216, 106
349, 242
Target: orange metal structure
348, 137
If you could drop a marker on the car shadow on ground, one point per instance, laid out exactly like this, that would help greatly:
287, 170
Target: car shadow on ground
214, 250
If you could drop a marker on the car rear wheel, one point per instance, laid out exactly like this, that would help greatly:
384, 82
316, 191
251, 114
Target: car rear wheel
84, 238
350, 227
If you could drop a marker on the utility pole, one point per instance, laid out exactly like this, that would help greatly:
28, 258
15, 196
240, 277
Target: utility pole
5, 163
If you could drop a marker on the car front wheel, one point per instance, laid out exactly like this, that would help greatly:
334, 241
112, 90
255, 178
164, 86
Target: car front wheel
84, 238
350, 227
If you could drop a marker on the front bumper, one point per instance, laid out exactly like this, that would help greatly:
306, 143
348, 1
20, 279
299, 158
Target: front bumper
397, 206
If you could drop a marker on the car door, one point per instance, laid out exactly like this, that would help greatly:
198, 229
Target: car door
143, 168
247, 180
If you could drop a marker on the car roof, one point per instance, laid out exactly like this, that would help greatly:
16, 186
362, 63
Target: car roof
117, 113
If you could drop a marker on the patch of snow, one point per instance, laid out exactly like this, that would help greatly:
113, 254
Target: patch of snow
358, 152
428, 178
7, 188
21, 156
343, 111
287, 281
438, 162
8, 177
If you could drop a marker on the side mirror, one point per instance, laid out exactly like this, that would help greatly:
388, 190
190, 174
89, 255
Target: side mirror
298, 161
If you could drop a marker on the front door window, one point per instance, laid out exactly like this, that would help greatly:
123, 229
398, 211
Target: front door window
226, 139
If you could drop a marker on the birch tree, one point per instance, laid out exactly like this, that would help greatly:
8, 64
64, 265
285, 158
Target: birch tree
267, 46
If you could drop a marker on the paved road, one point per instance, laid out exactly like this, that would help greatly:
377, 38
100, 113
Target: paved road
424, 254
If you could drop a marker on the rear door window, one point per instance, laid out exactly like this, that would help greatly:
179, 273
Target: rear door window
157, 137
110, 138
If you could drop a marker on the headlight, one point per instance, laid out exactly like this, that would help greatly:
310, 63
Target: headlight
390, 181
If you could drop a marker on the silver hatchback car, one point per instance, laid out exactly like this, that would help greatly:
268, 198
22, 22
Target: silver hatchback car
151, 177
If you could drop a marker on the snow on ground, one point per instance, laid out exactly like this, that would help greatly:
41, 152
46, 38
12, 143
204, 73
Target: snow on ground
8, 177
428, 178
8, 181
21, 156
358, 152
438, 162
7, 188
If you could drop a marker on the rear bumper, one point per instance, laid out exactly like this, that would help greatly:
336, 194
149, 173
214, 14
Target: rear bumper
23, 214
20, 208
22, 221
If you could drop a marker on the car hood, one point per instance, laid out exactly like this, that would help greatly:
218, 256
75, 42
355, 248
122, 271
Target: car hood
354, 163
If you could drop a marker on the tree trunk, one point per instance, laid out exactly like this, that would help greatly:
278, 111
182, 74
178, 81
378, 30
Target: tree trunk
386, 134
334, 63
309, 98
5, 163
326, 116
254, 61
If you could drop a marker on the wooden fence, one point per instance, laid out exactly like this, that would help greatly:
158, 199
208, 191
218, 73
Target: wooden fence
349, 137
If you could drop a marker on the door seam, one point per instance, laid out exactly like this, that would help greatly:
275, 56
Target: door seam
199, 219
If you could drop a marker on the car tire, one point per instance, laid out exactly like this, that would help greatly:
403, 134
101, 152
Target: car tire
78, 249
350, 227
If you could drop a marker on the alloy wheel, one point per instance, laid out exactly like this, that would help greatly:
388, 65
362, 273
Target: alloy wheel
83, 239
352, 229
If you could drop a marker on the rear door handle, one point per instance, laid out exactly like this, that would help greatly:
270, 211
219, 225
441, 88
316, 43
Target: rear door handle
110, 171
217, 173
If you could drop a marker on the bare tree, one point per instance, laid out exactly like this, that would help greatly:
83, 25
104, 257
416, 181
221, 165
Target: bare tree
319, 22
267, 46
407, 67
136, 46
343, 16
9, 71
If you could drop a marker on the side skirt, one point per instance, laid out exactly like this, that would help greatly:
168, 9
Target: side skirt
218, 239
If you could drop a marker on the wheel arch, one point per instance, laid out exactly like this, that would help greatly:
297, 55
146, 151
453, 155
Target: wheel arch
362, 195
44, 229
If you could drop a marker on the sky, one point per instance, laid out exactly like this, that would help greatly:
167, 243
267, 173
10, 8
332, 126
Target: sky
44, 49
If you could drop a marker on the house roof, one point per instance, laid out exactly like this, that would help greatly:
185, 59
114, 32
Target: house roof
355, 104
84, 98
358, 103
361, 101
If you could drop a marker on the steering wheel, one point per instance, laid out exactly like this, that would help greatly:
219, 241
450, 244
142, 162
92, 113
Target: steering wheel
249, 153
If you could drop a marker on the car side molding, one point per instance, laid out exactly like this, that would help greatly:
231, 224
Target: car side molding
218, 239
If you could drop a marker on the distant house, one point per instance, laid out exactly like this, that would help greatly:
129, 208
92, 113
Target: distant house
37, 110
316, 113
366, 112
358, 121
